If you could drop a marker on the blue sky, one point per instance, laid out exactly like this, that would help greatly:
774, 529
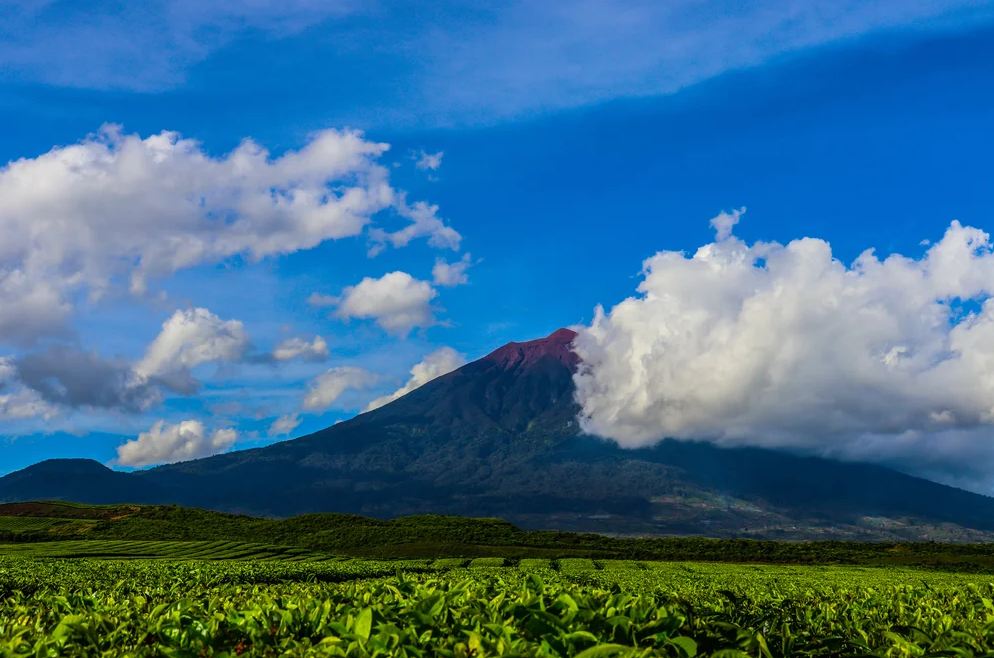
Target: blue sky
576, 143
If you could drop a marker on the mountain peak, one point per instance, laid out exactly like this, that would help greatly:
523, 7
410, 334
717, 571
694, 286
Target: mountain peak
499, 437
556, 346
66, 465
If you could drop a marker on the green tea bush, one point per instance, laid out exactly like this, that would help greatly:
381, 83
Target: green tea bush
366, 608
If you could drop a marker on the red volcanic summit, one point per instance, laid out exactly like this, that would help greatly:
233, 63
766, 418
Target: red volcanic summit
557, 345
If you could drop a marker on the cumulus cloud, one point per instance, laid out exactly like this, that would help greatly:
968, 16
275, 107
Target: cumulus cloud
41, 309
18, 401
284, 425
8, 371
724, 222
396, 301
70, 377
440, 362
23, 403
66, 376
119, 208
451, 274
785, 346
429, 161
424, 222
183, 441
299, 348
319, 300
188, 339
327, 387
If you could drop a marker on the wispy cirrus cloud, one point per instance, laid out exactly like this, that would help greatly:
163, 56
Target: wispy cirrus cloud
143, 47
472, 63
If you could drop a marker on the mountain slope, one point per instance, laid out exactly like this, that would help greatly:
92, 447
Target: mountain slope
499, 437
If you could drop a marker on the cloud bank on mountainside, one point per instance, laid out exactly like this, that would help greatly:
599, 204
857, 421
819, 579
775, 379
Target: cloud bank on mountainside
785, 346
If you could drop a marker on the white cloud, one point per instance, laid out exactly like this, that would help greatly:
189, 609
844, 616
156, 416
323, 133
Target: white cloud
396, 301
23, 403
284, 425
327, 387
18, 401
146, 47
424, 223
190, 338
318, 300
785, 346
501, 59
451, 274
69, 377
183, 441
66, 377
299, 348
534, 57
118, 208
429, 161
41, 309
436, 364
724, 223
8, 371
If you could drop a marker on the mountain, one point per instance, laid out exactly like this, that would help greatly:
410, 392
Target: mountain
499, 437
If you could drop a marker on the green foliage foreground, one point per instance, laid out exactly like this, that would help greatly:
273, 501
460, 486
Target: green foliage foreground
572, 607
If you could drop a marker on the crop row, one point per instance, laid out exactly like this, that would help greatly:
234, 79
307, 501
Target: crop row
476, 608
122, 549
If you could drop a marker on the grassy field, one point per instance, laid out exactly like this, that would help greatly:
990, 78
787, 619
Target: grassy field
466, 607
440, 536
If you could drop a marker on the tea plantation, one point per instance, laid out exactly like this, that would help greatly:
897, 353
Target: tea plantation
128, 580
310, 605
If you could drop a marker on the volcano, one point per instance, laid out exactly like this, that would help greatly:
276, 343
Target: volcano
499, 437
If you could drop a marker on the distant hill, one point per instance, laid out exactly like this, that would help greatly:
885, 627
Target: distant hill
60, 529
499, 438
